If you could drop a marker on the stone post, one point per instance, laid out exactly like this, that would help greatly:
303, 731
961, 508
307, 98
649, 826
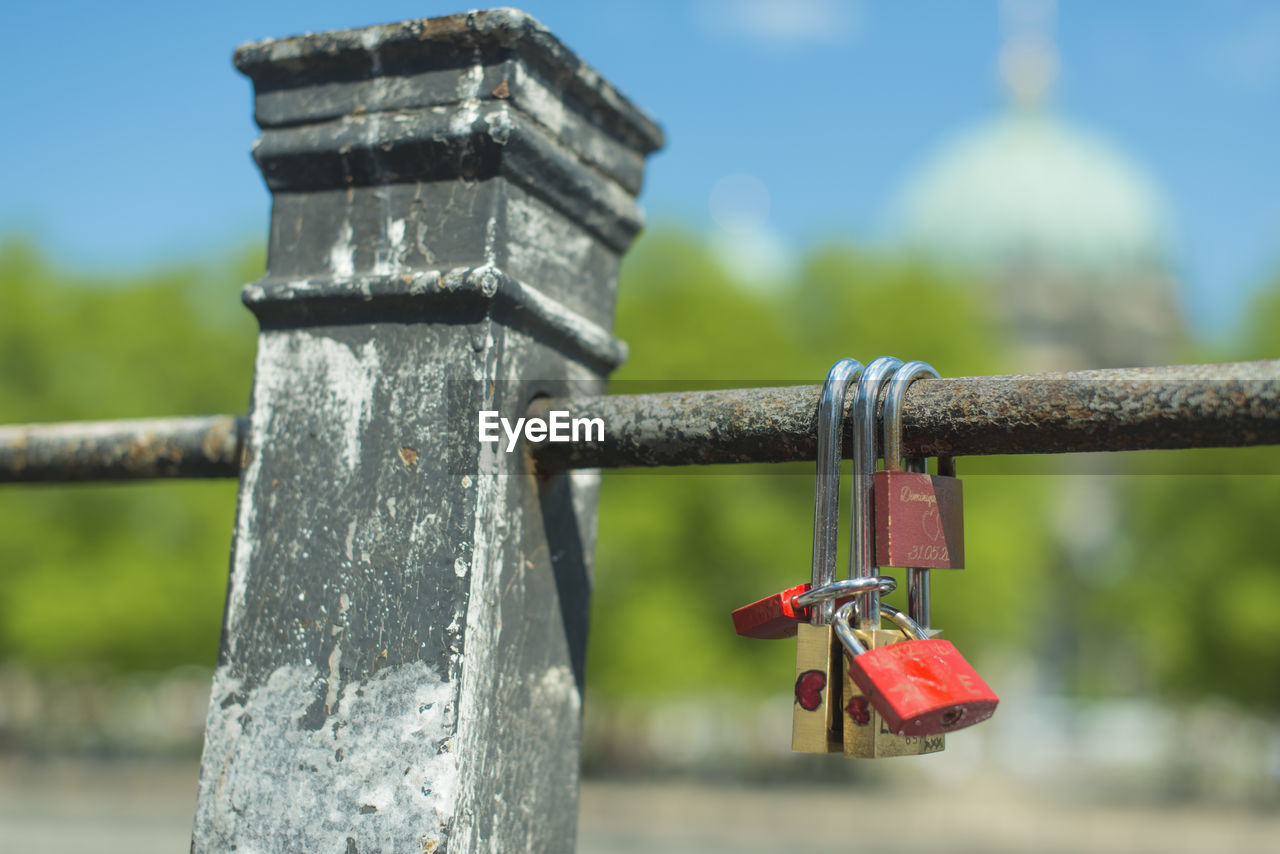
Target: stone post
401, 665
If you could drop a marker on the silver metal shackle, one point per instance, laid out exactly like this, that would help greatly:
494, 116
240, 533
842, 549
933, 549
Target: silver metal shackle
892, 413
845, 587
864, 465
844, 630
919, 597
826, 491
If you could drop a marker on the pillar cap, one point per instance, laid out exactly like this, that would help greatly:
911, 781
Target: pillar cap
397, 50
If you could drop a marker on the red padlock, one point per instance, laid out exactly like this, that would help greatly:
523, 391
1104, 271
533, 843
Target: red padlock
920, 686
778, 615
919, 519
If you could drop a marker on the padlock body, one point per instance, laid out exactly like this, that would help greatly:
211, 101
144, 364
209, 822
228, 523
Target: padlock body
775, 616
919, 520
922, 687
815, 720
866, 734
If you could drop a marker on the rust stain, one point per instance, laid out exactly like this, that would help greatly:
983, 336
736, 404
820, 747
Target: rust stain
220, 440
446, 25
502, 90
409, 457
146, 450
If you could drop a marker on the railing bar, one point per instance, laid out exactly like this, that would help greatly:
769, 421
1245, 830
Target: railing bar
194, 447
1184, 406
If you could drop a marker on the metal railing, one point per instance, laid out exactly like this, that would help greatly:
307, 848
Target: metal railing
1186, 406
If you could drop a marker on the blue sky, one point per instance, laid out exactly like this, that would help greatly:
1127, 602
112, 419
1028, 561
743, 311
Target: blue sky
127, 130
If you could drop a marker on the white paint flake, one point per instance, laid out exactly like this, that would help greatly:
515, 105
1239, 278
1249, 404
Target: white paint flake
556, 690
392, 248
470, 82
342, 255
297, 371
336, 382
464, 117
380, 768
335, 678
539, 101
395, 232
245, 542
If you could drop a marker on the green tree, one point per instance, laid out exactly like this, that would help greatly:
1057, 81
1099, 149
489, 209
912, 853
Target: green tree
124, 576
1186, 604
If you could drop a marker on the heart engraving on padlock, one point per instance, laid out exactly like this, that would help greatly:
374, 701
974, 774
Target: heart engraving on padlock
809, 687
932, 523
859, 710
918, 520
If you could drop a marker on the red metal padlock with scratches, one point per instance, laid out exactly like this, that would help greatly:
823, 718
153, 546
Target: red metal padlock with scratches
920, 686
777, 616
918, 518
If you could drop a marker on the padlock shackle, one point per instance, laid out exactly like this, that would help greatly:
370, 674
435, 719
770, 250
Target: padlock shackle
919, 595
909, 627
845, 587
892, 412
826, 492
844, 631
849, 610
864, 465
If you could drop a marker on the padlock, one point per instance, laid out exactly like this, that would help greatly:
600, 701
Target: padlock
815, 720
919, 686
863, 731
816, 717
919, 606
919, 518
778, 615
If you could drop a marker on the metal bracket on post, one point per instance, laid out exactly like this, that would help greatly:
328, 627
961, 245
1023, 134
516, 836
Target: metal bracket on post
402, 655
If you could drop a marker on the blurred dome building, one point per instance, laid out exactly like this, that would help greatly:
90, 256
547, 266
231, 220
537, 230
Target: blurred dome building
1076, 240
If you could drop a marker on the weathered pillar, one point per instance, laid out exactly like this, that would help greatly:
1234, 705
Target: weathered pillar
402, 655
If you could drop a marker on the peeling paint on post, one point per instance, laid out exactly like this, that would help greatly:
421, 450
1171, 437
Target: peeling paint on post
402, 655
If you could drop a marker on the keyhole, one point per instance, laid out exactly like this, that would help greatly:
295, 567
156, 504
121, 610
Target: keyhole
952, 717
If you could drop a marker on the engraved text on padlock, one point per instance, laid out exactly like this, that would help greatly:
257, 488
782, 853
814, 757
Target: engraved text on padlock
919, 520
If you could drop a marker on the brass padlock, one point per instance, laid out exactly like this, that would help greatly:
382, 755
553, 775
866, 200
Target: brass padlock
815, 717
820, 668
